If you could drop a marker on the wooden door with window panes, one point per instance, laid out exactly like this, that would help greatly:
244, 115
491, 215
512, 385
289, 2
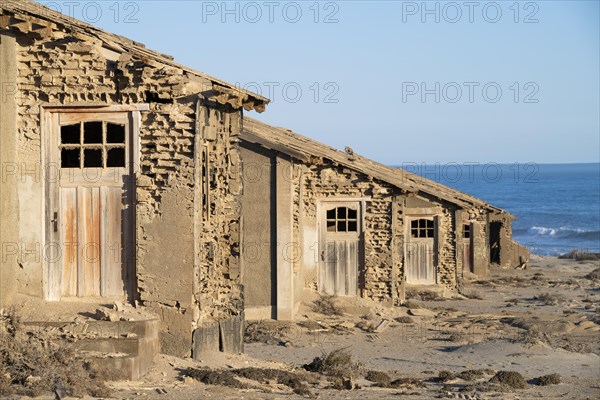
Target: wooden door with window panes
421, 254
92, 204
340, 248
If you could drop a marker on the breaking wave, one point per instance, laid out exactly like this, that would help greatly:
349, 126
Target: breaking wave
561, 233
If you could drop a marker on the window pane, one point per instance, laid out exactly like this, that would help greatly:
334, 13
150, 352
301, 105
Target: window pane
92, 132
92, 158
430, 223
330, 214
352, 214
352, 226
330, 226
414, 224
341, 212
115, 133
341, 226
69, 158
69, 134
115, 157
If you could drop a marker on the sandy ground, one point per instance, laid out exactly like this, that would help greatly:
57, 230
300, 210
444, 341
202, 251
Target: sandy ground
543, 320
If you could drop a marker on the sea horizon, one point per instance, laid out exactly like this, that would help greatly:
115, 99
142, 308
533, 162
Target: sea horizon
557, 205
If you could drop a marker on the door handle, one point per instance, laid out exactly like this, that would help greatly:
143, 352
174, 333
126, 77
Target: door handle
54, 222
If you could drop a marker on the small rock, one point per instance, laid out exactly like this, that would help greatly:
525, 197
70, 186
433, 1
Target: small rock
347, 384
106, 315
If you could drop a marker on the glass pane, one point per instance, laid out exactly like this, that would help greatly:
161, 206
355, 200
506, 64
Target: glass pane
69, 134
341, 226
115, 157
115, 133
92, 158
330, 214
414, 233
92, 132
342, 212
69, 158
352, 214
430, 223
414, 224
352, 226
330, 226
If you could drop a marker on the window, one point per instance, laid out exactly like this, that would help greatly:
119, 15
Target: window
94, 144
467, 231
421, 228
342, 219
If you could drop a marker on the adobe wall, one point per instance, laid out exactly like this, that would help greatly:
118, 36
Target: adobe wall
9, 233
185, 281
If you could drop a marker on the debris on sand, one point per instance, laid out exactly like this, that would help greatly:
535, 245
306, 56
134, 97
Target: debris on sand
545, 380
326, 306
267, 332
510, 378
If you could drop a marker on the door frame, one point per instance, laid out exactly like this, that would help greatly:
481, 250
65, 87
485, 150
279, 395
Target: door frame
322, 237
52, 274
407, 226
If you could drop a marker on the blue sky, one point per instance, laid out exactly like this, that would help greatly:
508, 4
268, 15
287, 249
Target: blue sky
398, 81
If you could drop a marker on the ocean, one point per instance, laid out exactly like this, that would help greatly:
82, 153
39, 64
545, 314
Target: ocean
557, 205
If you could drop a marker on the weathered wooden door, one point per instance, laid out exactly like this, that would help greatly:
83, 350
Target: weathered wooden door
91, 204
421, 254
340, 247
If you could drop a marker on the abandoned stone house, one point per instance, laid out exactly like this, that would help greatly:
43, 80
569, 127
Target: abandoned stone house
318, 219
119, 173
128, 176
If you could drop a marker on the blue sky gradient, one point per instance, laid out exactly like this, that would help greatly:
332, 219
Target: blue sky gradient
362, 67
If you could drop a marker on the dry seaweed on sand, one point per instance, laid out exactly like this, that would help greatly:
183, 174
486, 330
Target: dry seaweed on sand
229, 378
401, 382
594, 275
338, 363
545, 380
378, 378
510, 378
326, 305
268, 332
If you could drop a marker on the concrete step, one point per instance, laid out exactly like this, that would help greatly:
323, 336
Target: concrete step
126, 347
